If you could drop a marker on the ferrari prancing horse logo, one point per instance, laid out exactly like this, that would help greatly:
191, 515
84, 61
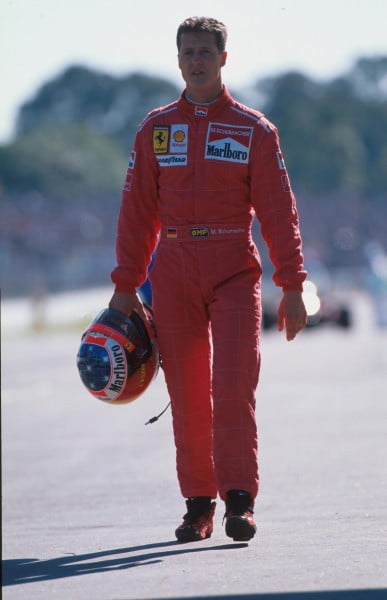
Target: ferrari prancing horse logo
160, 140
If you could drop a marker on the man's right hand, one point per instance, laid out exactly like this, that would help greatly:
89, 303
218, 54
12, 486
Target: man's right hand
127, 303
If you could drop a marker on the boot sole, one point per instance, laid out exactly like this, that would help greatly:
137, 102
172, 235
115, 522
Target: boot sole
240, 529
191, 536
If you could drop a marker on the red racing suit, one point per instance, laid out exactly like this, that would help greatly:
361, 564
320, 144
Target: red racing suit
196, 177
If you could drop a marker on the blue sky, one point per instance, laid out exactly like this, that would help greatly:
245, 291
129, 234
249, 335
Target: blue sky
39, 38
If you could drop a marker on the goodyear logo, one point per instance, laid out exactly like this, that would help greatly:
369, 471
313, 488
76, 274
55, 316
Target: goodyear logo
160, 139
199, 232
172, 160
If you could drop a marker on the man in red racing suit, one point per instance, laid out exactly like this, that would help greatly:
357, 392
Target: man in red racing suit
200, 169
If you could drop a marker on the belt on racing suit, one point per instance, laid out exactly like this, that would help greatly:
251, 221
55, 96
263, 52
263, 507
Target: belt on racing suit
205, 232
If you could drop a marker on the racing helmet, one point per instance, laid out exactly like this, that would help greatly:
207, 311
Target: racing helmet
118, 357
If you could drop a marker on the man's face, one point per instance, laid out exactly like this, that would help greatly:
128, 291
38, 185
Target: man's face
200, 63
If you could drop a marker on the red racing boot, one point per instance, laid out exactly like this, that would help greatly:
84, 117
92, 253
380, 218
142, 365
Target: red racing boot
239, 516
198, 520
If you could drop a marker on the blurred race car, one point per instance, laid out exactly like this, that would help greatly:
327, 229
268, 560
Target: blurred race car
321, 303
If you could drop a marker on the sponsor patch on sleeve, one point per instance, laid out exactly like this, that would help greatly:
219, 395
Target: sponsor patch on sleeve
132, 160
285, 183
280, 160
128, 182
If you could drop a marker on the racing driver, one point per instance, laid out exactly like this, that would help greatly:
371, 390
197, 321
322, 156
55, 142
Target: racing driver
201, 168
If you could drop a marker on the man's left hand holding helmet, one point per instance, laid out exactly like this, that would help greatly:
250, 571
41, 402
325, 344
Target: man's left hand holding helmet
127, 303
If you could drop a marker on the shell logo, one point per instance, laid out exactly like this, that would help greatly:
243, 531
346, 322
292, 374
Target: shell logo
179, 136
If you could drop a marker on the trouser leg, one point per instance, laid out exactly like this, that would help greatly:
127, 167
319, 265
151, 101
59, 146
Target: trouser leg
187, 367
235, 322
183, 335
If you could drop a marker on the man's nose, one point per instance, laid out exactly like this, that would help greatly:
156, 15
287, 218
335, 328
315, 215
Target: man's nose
197, 58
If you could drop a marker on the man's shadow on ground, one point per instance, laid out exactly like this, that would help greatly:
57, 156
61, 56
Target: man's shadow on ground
28, 570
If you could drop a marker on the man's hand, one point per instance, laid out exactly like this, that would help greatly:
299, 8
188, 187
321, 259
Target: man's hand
291, 314
127, 303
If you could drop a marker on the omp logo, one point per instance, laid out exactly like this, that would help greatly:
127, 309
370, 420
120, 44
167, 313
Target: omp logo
228, 142
199, 232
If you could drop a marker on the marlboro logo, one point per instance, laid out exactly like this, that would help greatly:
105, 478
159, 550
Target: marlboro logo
229, 143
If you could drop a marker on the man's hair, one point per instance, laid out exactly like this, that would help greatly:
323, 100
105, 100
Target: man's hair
206, 24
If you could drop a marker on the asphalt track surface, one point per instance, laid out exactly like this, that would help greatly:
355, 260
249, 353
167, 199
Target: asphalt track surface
90, 499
